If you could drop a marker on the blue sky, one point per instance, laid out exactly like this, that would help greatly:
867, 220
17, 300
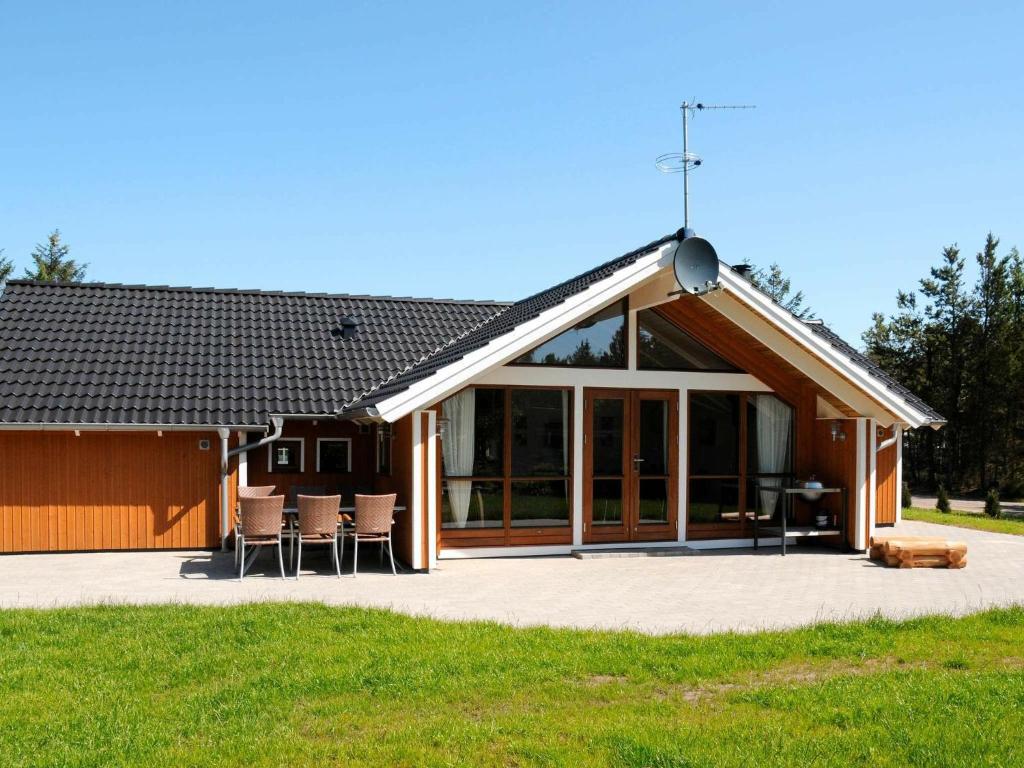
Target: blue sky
488, 151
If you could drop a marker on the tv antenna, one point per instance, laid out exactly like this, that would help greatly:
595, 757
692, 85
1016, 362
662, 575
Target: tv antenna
685, 161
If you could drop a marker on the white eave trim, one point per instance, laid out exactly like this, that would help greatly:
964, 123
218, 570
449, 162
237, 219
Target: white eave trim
798, 331
99, 427
549, 323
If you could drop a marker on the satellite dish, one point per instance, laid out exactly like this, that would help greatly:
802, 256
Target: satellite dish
696, 266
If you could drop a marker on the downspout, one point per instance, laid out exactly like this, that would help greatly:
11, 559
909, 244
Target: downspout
225, 470
888, 441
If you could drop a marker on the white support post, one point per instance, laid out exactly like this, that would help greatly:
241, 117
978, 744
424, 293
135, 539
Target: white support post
416, 507
681, 484
431, 532
243, 461
872, 478
225, 487
577, 465
899, 474
860, 501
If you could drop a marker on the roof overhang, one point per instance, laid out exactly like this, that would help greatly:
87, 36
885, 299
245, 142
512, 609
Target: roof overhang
528, 335
739, 301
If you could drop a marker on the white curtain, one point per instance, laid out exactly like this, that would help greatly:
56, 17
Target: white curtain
457, 447
773, 427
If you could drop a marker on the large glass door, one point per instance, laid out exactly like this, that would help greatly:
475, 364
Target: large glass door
630, 465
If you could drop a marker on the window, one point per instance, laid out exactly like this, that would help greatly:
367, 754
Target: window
286, 455
597, 342
506, 462
740, 446
663, 346
383, 449
334, 455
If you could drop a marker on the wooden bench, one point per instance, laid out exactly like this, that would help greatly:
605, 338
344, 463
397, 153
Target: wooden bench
919, 551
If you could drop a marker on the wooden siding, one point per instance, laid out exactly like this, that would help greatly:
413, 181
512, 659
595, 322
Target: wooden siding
835, 464
885, 487
364, 460
108, 491
814, 452
400, 482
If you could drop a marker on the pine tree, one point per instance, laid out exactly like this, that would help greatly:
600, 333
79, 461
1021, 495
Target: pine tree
6, 267
992, 506
942, 502
52, 264
778, 287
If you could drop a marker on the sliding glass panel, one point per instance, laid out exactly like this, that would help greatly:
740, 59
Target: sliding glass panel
653, 437
489, 440
540, 503
714, 434
609, 423
597, 342
540, 433
607, 502
472, 504
663, 346
653, 501
769, 452
713, 501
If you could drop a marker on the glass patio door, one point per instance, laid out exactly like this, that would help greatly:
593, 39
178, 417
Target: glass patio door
630, 465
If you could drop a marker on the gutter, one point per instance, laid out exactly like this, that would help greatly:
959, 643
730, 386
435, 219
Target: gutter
225, 469
888, 442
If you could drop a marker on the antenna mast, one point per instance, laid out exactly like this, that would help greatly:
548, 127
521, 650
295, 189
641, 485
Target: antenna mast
683, 163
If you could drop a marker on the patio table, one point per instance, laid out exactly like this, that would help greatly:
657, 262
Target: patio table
291, 516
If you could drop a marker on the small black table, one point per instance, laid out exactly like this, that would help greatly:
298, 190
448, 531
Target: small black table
784, 530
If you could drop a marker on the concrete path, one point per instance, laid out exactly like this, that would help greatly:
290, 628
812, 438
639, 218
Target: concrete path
714, 591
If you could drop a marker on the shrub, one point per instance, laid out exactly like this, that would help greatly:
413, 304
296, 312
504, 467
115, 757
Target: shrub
906, 501
942, 502
992, 507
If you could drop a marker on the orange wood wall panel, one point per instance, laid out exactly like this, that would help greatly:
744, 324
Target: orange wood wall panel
400, 482
108, 490
885, 487
835, 464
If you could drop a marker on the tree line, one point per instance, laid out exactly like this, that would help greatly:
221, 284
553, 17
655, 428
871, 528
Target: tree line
51, 263
961, 348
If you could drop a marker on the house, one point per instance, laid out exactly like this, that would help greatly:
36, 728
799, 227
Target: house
605, 411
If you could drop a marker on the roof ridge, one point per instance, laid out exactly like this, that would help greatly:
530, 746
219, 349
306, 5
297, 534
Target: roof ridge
255, 291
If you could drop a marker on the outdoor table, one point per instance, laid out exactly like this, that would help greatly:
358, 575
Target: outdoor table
786, 531
291, 519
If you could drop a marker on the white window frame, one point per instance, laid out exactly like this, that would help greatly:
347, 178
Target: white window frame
348, 440
302, 454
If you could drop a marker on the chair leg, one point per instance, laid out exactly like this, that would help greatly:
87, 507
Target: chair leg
391, 554
280, 556
337, 557
241, 560
340, 545
298, 563
355, 555
382, 552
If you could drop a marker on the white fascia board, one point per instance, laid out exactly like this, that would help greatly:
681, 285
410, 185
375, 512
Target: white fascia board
526, 336
798, 331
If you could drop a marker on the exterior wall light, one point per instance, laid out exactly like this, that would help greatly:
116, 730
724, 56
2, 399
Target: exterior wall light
837, 432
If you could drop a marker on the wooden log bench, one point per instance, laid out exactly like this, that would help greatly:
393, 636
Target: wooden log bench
919, 551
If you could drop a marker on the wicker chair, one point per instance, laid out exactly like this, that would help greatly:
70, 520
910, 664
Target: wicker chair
374, 517
318, 524
260, 526
248, 492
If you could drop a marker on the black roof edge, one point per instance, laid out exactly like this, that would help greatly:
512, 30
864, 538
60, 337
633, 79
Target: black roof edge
254, 291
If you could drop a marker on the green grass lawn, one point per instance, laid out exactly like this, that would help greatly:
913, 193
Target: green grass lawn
308, 685
967, 520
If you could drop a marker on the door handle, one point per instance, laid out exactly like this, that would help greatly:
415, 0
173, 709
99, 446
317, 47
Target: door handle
637, 459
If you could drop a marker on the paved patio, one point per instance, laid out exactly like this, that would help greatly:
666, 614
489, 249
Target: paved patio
717, 590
